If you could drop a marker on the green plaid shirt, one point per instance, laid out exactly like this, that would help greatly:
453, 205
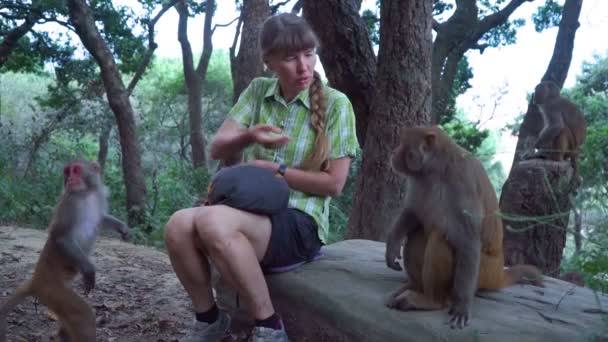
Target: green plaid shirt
261, 102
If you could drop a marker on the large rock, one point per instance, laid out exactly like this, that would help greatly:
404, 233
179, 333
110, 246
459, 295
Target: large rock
341, 296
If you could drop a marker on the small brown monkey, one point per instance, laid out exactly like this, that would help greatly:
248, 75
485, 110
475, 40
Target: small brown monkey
454, 235
71, 235
564, 127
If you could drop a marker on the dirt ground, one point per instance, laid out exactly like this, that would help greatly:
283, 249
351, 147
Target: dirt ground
137, 296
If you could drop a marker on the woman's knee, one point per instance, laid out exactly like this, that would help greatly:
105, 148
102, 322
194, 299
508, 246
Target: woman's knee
214, 226
179, 229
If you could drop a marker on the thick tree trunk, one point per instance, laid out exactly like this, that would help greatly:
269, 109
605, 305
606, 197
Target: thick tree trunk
248, 64
543, 245
195, 77
402, 98
346, 53
536, 210
118, 97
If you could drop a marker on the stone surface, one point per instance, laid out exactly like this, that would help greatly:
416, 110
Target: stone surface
341, 296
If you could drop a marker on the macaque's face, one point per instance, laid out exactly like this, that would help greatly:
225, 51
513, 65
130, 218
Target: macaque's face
80, 176
544, 92
408, 157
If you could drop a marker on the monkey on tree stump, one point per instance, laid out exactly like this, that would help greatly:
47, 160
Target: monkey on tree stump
454, 233
81, 210
564, 128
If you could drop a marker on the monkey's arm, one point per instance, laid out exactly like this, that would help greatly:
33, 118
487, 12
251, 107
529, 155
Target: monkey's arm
70, 249
466, 242
405, 223
112, 222
553, 125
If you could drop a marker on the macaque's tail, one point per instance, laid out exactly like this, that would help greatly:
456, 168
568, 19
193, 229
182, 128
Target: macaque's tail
526, 274
20, 294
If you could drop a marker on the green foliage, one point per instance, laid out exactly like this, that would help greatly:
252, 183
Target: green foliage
547, 16
116, 24
504, 34
465, 134
372, 22
461, 84
592, 261
340, 207
590, 94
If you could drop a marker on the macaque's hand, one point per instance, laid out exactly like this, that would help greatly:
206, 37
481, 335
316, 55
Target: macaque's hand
393, 252
88, 278
459, 315
272, 166
126, 233
268, 136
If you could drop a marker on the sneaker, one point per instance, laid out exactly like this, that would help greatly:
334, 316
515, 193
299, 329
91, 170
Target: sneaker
205, 332
263, 334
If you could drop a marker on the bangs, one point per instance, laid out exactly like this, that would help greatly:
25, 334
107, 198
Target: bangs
293, 38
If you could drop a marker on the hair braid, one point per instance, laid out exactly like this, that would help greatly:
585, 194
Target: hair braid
318, 159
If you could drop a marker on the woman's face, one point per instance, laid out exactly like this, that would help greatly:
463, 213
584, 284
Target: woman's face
294, 70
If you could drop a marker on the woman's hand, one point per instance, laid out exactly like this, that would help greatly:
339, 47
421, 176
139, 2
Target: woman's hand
268, 136
266, 164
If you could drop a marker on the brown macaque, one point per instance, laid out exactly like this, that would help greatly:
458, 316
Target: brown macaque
564, 127
453, 230
81, 210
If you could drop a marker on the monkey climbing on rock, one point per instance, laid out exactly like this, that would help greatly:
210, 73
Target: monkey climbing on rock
564, 127
81, 210
454, 233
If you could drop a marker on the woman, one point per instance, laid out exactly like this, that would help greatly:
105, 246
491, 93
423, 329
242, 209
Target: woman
291, 124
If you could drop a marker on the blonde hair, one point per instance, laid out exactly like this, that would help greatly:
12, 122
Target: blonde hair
284, 33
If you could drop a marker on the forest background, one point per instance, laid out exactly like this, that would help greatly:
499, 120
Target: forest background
172, 69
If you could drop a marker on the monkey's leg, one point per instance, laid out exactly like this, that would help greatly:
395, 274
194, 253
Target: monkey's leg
491, 271
414, 258
75, 315
559, 148
436, 278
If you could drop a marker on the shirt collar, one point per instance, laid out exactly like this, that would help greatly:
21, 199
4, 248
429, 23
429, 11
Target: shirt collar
274, 92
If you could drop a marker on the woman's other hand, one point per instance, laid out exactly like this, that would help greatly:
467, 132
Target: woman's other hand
268, 136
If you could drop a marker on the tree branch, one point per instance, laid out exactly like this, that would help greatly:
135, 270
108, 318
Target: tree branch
151, 46
232, 49
224, 25
297, 7
500, 17
10, 40
480, 47
203, 62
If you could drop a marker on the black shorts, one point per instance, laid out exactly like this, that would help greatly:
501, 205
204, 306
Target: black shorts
293, 239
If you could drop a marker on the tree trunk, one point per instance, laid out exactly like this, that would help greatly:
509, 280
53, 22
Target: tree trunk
536, 209
346, 53
543, 245
402, 98
84, 24
578, 230
104, 137
248, 64
195, 77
